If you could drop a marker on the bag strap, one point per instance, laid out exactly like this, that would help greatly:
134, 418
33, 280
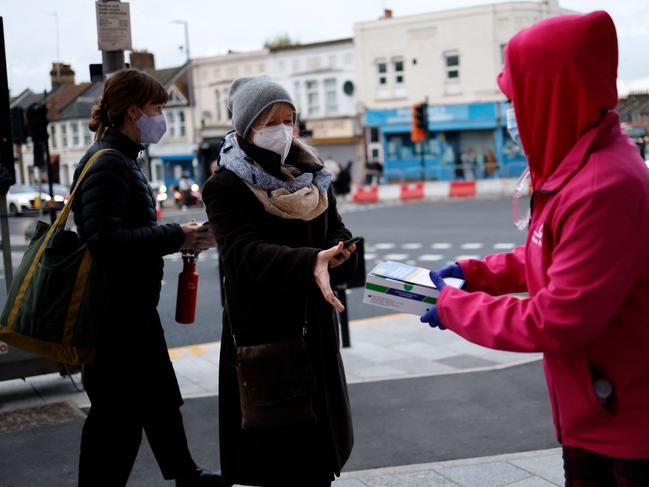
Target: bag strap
65, 213
60, 222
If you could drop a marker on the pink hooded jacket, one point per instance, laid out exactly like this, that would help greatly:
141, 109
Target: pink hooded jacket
585, 264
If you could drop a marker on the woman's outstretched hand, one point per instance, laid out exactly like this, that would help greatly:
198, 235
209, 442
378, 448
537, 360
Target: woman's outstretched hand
325, 259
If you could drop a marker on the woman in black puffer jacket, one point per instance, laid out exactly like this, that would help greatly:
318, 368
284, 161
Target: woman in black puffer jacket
132, 385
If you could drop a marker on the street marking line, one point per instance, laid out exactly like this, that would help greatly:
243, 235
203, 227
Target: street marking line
384, 246
396, 256
195, 350
431, 257
441, 246
466, 257
411, 246
504, 246
471, 246
175, 353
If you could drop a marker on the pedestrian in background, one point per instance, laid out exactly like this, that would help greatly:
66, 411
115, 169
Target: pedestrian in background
284, 420
585, 265
132, 385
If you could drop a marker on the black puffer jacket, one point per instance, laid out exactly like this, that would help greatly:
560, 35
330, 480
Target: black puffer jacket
114, 211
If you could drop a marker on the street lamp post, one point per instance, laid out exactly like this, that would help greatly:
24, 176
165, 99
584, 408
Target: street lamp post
190, 88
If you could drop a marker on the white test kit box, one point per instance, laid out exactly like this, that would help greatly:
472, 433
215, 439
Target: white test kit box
403, 288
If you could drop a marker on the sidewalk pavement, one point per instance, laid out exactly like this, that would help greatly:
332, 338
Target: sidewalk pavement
384, 348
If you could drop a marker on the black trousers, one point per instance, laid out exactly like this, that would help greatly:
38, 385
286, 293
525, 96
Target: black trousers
132, 388
587, 469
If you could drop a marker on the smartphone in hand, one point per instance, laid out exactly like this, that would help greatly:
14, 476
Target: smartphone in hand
350, 242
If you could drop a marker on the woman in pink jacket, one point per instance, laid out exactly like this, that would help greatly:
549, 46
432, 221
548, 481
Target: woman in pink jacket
585, 265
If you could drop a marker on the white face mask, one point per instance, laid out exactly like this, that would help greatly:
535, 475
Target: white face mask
275, 138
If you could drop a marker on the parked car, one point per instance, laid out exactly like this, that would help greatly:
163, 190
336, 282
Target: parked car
61, 194
21, 198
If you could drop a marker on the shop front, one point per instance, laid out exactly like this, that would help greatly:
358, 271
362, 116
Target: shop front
464, 142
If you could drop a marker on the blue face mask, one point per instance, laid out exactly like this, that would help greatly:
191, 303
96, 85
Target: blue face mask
151, 128
512, 127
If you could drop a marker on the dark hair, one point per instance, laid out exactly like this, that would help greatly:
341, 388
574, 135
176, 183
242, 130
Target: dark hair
124, 88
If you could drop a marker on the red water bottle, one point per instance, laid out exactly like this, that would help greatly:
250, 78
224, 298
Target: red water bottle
187, 290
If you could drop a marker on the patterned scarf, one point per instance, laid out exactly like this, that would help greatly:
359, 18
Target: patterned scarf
303, 196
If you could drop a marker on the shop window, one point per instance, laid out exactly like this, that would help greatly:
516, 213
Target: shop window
399, 147
502, 54
452, 63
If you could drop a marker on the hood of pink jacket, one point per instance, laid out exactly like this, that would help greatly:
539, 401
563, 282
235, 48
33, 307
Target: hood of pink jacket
560, 75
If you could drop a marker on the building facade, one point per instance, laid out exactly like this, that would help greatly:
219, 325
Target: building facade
69, 107
448, 60
321, 79
212, 77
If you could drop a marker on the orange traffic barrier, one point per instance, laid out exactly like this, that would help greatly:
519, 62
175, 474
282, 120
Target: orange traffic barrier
462, 189
366, 194
413, 191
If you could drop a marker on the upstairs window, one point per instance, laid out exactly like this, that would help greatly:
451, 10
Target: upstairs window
382, 74
452, 63
398, 71
331, 98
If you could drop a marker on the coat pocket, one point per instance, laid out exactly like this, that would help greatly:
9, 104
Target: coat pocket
276, 385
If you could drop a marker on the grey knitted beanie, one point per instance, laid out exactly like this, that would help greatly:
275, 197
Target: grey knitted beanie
250, 96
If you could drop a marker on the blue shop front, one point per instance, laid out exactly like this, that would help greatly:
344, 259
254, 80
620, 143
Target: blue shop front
465, 141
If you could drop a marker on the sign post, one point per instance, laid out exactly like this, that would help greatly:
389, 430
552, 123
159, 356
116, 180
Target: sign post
113, 33
7, 168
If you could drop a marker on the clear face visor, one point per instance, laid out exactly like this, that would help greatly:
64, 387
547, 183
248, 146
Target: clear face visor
521, 201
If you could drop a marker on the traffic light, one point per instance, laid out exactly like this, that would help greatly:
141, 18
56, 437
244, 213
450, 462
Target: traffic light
18, 128
419, 126
421, 116
37, 122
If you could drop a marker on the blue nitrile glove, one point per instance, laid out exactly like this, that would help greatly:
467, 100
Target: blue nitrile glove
432, 318
438, 280
452, 270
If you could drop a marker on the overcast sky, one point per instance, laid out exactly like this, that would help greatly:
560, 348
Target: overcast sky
216, 26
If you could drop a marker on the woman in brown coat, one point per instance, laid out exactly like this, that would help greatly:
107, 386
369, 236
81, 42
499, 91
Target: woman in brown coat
273, 212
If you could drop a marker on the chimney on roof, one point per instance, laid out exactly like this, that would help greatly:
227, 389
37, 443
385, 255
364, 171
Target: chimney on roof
387, 13
142, 60
96, 73
61, 74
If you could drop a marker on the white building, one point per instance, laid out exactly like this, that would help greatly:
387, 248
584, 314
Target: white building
449, 59
321, 79
212, 78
